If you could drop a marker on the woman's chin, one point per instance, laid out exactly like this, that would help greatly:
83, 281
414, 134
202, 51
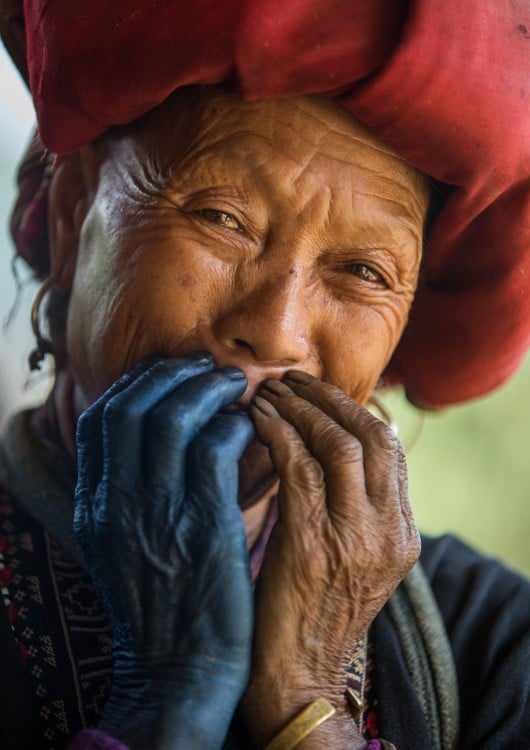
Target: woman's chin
257, 475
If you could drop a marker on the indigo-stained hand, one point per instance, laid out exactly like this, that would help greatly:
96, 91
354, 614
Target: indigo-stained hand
344, 540
157, 518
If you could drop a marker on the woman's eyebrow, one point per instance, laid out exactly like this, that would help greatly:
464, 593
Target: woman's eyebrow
396, 233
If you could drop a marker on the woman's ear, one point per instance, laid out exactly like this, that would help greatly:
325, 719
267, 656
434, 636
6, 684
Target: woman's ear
72, 190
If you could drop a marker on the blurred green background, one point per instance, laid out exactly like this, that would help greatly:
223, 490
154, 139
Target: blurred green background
469, 468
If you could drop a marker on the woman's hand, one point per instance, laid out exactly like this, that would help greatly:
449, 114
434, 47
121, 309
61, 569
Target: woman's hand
345, 539
157, 518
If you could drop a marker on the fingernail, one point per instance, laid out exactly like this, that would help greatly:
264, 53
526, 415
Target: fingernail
298, 376
274, 386
263, 406
201, 357
233, 372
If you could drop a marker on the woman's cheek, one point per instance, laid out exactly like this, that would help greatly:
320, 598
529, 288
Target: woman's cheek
358, 346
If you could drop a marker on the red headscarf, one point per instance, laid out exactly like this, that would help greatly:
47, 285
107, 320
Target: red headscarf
446, 84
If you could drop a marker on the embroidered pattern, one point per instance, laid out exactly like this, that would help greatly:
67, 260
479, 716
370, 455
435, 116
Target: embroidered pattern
59, 626
360, 678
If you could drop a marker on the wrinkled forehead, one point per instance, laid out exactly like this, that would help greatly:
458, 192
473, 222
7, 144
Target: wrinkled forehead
313, 136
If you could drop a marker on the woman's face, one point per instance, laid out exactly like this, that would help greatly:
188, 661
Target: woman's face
275, 234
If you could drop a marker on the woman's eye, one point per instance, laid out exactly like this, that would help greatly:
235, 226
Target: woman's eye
365, 273
222, 218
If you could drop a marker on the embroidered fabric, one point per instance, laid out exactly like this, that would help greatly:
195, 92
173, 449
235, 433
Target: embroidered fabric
58, 624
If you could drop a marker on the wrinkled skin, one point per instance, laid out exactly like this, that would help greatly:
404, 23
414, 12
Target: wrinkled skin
345, 539
162, 514
277, 235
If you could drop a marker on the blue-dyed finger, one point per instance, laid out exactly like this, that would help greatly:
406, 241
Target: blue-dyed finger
124, 414
90, 456
89, 429
212, 477
178, 419
82, 525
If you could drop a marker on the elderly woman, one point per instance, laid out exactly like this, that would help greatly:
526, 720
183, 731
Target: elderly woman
229, 273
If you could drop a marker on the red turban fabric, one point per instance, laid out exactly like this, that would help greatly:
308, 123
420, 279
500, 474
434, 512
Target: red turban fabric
446, 84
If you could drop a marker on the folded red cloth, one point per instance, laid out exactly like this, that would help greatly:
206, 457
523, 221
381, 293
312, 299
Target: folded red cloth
445, 84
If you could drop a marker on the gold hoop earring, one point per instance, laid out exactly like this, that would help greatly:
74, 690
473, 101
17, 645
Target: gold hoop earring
44, 345
386, 416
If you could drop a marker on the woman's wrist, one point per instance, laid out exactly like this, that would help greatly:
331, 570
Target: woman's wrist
337, 733
267, 709
170, 714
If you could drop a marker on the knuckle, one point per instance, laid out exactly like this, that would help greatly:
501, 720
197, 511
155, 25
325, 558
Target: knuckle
332, 392
162, 366
283, 440
113, 412
206, 451
407, 551
381, 434
347, 449
81, 519
82, 526
307, 473
167, 422
209, 452
410, 559
84, 422
342, 446
400, 451
83, 457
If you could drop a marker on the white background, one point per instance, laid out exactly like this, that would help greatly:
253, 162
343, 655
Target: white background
16, 124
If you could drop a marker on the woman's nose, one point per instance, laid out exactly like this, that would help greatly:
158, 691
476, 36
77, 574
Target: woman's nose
268, 321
